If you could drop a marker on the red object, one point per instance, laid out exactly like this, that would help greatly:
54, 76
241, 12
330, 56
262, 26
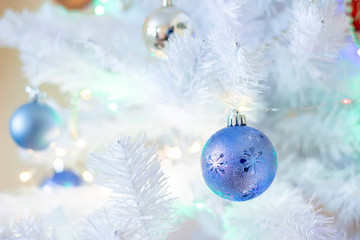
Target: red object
346, 101
355, 14
74, 4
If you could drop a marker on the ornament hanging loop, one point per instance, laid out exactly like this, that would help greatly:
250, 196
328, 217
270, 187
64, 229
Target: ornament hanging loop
236, 119
34, 93
167, 3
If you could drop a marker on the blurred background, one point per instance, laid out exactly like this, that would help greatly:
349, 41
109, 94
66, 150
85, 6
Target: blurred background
12, 95
306, 134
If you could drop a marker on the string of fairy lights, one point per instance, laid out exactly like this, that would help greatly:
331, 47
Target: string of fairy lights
170, 152
244, 108
100, 7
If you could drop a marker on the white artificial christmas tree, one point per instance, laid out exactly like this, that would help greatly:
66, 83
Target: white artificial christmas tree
290, 66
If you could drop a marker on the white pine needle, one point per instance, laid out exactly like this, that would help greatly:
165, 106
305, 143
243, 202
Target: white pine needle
240, 70
336, 189
316, 35
140, 196
281, 213
27, 228
183, 78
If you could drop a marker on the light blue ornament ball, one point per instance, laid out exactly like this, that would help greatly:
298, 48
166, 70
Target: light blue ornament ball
238, 163
66, 179
34, 126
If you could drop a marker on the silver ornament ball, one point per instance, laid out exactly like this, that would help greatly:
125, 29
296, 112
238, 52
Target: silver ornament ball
34, 126
162, 24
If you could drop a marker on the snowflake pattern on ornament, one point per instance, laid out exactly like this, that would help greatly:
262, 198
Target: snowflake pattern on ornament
250, 159
252, 192
216, 164
254, 136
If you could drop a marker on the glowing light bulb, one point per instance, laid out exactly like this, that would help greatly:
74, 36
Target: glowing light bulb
60, 151
199, 205
52, 144
99, 10
80, 143
112, 97
87, 176
58, 165
25, 176
346, 101
244, 108
30, 151
85, 94
113, 106
196, 147
174, 153
358, 52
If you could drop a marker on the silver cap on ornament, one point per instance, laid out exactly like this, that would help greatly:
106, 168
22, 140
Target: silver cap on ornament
236, 119
162, 24
167, 3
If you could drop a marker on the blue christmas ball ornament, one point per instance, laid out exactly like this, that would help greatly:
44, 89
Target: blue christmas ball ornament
66, 179
34, 125
238, 162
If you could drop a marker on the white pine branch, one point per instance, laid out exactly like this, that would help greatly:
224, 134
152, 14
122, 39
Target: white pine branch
213, 14
55, 50
280, 213
320, 131
270, 7
337, 190
140, 195
101, 225
28, 228
316, 35
241, 71
183, 76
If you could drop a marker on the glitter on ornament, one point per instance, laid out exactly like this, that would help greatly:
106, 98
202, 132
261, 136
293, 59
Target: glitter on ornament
238, 162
